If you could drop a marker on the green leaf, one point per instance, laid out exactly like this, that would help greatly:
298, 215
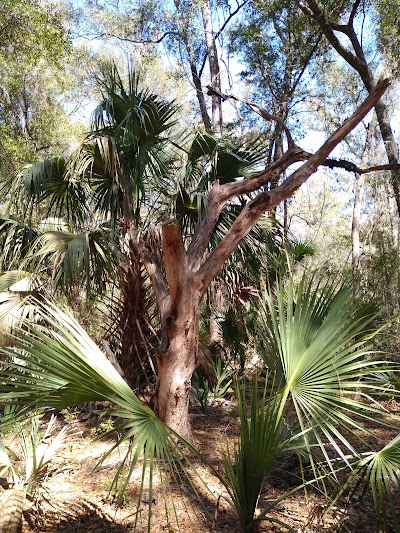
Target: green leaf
56, 365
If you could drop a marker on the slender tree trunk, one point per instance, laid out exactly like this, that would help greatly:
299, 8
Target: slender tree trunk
356, 219
199, 90
355, 232
212, 54
193, 67
357, 60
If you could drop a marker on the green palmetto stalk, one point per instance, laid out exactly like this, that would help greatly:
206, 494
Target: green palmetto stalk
260, 440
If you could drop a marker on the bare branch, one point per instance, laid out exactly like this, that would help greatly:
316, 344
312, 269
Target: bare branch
327, 28
249, 215
353, 13
352, 167
256, 108
267, 200
220, 195
139, 41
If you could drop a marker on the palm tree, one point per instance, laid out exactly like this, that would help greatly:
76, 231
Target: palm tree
109, 186
80, 217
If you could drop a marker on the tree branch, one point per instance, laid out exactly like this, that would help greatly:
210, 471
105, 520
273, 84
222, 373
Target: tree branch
256, 108
139, 41
352, 167
220, 195
218, 33
353, 13
267, 200
315, 12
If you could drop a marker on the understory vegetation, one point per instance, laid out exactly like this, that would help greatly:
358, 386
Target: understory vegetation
192, 246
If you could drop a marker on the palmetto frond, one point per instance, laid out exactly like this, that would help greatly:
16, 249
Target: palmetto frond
315, 338
136, 123
96, 160
57, 365
15, 303
52, 187
87, 258
211, 158
16, 239
381, 472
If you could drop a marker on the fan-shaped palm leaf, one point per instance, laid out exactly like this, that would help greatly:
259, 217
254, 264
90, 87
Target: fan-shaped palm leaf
378, 473
57, 365
16, 239
136, 122
53, 185
88, 258
314, 339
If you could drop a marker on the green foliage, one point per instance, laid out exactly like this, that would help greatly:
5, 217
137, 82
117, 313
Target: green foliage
56, 365
260, 441
388, 31
34, 51
316, 340
32, 29
202, 389
380, 471
316, 344
276, 41
37, 451
103, 428
224, 378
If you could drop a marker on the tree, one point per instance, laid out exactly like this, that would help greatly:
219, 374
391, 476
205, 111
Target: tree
355, 55
123, 159
34, 47
174, 28
187, 274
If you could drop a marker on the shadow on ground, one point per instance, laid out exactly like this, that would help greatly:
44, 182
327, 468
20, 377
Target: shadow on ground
76, 518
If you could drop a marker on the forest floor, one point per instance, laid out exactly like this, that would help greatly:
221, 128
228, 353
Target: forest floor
79, 499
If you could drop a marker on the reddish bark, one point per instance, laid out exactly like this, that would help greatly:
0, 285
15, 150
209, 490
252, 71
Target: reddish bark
180, 287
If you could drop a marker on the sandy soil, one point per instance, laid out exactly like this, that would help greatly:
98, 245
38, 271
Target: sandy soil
78, 499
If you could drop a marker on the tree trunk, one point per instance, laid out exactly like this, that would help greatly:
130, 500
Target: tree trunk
193, 68
355, 232
356, 218
357, 60
176, 365
178, 355
135, 354
214, 67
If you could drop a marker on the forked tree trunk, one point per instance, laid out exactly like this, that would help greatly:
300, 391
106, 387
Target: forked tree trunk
178, 355
180, 286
